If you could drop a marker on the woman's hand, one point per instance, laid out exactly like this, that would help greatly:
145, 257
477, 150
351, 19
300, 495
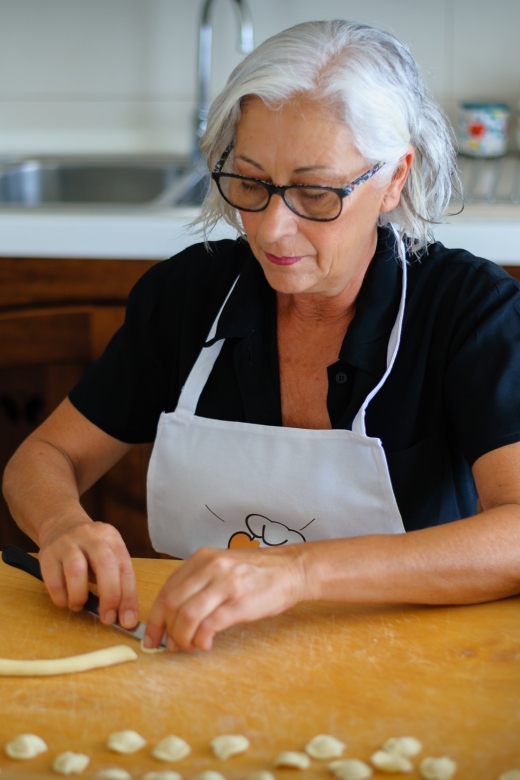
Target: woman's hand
215, 589
42, 485
74, 551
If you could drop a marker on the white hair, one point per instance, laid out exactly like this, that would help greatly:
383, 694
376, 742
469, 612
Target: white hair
374, 85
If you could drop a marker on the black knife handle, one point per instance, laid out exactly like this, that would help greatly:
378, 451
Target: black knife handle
20, 559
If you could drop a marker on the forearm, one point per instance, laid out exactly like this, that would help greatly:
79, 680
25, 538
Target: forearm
41, 490
467, 561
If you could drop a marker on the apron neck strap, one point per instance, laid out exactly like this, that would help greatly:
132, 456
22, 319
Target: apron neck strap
358, 426
203, 367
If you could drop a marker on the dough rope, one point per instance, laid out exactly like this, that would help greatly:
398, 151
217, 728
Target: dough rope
108, 656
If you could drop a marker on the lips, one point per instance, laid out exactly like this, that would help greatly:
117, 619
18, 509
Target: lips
282, 260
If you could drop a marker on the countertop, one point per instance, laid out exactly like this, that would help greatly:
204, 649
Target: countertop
491, 231
450, 676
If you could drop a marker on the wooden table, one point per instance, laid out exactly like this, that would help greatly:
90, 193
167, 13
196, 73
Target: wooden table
449, 676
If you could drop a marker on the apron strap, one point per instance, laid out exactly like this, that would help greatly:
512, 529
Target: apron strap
358, 426
203, 367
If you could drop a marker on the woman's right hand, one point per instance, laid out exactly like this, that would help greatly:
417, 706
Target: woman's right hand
42, 485
73, 552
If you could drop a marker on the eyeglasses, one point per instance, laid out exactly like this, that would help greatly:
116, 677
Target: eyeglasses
320, 204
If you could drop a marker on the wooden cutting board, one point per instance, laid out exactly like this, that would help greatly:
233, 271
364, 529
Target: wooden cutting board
449, 676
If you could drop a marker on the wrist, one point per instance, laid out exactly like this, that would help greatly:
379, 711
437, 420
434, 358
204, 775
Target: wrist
60, 523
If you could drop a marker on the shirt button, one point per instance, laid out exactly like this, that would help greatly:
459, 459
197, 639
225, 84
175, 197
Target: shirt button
341, 378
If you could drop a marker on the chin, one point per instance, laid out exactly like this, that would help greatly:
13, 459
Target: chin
289, 283
288, 278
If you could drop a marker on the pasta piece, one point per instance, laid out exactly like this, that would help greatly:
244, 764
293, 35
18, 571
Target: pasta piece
405, 746
25, 746
171, 748
324, 746
125, 742
390, 762
351, 769
511, 774
229, 745
294, 759
113, 773
70, 763
260, 774
159, 649
437, 768
164, 774
209, 774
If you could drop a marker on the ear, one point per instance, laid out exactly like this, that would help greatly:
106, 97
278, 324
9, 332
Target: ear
393, 191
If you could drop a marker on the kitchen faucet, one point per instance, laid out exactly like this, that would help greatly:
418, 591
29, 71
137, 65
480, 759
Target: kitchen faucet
190, 188
245, 45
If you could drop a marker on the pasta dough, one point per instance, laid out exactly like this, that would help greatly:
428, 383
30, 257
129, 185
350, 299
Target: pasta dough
108, 656
324, 746
113, 773
405, 746
437, 768
350, 769
294, 759
229, 745
171, 749
25, 746
390, 762
70, 763
125, 742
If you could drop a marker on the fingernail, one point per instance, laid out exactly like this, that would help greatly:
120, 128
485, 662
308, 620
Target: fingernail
110, 616
170, 644
147, 641
129, 618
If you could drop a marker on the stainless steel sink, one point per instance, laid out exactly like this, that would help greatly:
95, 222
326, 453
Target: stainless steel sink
152, 182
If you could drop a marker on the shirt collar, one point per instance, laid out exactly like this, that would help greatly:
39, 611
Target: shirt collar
365, 343
250, 300
366, 340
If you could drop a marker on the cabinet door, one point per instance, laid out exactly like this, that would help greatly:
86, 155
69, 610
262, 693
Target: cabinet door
43, 352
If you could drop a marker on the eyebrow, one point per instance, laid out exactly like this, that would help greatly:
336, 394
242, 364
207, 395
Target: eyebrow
305, 169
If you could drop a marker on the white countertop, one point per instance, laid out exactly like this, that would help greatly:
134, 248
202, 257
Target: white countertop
491, 231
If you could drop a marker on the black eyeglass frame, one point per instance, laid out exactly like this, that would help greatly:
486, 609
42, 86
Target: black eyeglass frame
274, 189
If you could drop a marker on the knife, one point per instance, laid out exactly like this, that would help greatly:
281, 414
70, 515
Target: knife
20, 559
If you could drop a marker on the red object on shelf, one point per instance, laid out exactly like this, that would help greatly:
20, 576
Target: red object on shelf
477, 129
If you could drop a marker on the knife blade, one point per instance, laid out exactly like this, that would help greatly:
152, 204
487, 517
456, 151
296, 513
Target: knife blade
20, 559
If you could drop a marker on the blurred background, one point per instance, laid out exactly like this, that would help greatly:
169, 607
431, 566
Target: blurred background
120, 75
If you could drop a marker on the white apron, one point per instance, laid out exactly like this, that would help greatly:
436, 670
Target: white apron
213, 483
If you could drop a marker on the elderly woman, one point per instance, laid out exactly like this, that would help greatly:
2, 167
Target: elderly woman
330, 396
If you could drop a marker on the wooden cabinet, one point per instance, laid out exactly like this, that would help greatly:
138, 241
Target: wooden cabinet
513, 270
56, 317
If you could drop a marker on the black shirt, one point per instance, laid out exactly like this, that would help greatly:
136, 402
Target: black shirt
453, 393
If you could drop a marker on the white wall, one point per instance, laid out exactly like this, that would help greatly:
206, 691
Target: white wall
120, 75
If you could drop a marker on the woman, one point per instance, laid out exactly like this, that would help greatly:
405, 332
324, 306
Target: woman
327, 382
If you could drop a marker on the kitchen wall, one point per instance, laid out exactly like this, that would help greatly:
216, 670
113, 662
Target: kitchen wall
120, 75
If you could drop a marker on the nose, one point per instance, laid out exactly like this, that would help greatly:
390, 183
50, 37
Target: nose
277, 220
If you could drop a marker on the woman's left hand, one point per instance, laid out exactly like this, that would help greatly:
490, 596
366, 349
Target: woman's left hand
215, 589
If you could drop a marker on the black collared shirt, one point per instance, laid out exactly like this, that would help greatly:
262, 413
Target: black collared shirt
453, 393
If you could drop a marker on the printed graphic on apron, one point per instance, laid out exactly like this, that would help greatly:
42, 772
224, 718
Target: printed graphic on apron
262, 529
